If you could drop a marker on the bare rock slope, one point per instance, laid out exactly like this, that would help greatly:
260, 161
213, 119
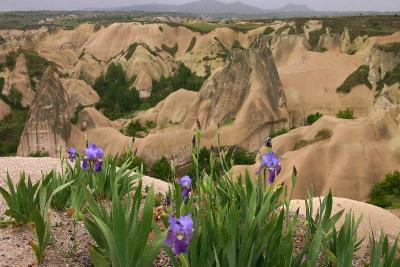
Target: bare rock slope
346, 156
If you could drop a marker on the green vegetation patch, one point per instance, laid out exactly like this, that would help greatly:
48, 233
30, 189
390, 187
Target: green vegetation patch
117, 98
386, 194
268, 31
35, 64
346, 114
236, 45
390, 47
320, 136
183, 78
39, 154
171, 50
134, 128
282, 29
313, 118
191, 45
11, 128
278, 132
131, 49
390, 78
359, 76
314, 37
162, 170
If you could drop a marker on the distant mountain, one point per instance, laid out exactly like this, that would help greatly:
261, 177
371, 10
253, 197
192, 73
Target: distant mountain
213, 7
197, 7
294, 8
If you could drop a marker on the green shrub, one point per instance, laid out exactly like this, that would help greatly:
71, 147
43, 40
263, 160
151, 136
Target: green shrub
135, 161
191, 45
116, 95
15, 97
1, 83
268, 31
314, 37
122, 234
359, 76
134, 128
150, 124
170, 50
11, 60
346, 114
313, 118
11, 128
236, 45
383, 192
162, 170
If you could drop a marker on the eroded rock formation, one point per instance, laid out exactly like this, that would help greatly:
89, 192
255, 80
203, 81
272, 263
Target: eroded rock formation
48, 125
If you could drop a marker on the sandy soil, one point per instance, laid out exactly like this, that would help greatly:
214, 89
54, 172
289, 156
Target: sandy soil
14, 241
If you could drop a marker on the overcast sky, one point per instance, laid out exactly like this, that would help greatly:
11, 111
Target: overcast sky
322, 5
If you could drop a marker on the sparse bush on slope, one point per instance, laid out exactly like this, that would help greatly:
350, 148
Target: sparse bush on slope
387, 192
358, 77
346, 114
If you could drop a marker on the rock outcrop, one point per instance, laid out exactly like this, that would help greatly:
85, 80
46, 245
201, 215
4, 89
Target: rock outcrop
242, 103
93, 119
48, 125
80, 93
171, 111
383, 59
245, 97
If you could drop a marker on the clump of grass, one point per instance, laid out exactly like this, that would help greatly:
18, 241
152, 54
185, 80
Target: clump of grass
313, 118
191, 45
387, 192
320, 136
360, 76
170, 50
346, 114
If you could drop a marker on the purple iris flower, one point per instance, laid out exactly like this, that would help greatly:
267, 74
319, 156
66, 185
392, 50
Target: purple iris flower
97, 165
94, 155
271, 161
71, 154
180, 233
85, 163
186, 183
91, 151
